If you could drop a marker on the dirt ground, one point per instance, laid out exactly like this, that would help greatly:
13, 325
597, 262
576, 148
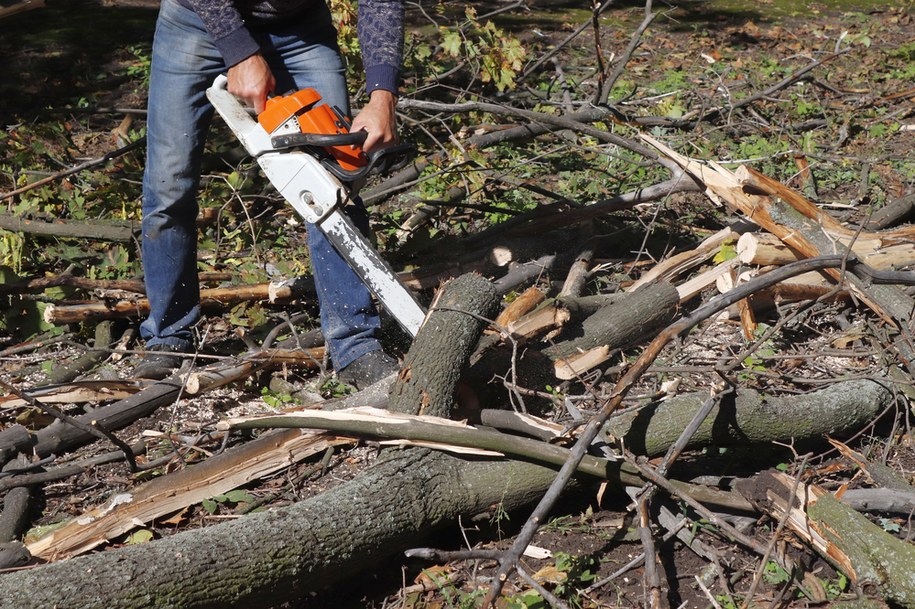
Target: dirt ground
49, 52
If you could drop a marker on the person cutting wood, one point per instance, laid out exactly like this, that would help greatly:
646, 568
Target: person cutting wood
263, 46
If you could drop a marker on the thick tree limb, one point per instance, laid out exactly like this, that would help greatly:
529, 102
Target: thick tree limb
73, 229
210, 299
622, 323
753, 418
868, 555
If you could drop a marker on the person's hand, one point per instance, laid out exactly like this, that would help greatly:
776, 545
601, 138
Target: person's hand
379, 120
252, 81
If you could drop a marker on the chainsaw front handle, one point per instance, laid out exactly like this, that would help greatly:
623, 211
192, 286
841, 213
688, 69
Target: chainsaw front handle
249, 132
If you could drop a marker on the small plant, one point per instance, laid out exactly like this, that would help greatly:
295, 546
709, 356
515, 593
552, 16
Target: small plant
139, 69
578, 570
775, 574
231, 499
276, 399
493, 53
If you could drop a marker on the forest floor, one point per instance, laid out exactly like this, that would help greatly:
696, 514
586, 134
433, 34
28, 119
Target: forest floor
72, 89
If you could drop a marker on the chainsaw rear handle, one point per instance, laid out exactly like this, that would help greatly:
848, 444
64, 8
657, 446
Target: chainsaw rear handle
379, 161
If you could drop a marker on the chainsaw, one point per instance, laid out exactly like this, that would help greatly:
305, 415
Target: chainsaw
310, 156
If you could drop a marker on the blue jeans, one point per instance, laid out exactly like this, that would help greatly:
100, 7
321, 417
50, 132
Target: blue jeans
184, 64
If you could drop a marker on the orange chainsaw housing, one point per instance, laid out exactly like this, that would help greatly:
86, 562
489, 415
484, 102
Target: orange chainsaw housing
312, 118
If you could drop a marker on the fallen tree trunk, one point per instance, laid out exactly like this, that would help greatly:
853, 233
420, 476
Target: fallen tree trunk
275, 556
279, 555
174, 492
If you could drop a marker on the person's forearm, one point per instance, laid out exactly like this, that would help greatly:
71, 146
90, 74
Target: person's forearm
381, 37
226, 25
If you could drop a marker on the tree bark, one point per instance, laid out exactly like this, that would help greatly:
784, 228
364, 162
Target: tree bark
753, 418
617, 325
442, 347
210, 299
871, 558
276, 556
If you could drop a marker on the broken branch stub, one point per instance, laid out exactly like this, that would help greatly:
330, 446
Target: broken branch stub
443, 346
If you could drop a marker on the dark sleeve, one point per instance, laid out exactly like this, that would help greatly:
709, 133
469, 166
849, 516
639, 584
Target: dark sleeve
226, 26
381, 30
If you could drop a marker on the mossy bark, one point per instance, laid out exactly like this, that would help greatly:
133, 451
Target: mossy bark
753, 418
879, 559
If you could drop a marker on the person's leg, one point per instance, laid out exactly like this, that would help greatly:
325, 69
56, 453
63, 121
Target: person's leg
302, 56
184, 64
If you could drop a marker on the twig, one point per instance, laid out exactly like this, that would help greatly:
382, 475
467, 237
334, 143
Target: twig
748, 542
635, 562
76, 168
436, 555
634, 41
548, 596
581, 28
93, 428
65, 471
562, 122
626, 382
689, 431
652, 580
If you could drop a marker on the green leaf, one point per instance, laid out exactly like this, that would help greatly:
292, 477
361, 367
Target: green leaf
727, 252
451, 43
140, 536
209, 505
239, 496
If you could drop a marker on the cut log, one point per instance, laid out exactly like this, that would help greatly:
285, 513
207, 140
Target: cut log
798, 223
752, 417
520, 306
668, 269
430, 371
806, 286
764, 249
615, 326
210, 299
